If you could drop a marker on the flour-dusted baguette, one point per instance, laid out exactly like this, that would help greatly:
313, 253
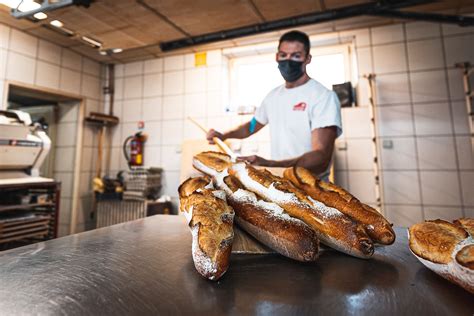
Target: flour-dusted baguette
211, 222
265, 221
271, 225
332, 227
376, 226
212, 163
445, 248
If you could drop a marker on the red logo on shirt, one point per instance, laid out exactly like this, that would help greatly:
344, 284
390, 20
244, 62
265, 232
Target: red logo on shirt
300, 107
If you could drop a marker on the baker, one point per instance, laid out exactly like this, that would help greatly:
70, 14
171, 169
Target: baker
304, 116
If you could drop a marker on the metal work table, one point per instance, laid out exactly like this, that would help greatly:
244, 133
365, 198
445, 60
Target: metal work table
145, 267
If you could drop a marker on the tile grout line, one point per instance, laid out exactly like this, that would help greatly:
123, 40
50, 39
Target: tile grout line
453, 137
410, 90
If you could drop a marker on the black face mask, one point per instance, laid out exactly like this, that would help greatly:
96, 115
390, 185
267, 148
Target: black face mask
290, 70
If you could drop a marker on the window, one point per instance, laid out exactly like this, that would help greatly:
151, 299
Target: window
252, 77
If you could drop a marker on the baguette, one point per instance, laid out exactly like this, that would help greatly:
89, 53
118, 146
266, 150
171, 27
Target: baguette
269, 224
211, 222
265, 221
332, 227
445, 248
376, 226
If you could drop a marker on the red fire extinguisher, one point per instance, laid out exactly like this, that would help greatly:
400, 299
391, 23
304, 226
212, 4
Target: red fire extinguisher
136, 150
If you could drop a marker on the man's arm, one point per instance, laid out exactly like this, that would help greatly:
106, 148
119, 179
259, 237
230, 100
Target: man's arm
317, 160
243, 131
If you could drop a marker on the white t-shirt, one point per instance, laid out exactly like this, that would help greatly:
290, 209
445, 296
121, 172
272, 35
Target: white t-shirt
294, 113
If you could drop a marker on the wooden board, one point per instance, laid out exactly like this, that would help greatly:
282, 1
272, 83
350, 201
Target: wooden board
247, 245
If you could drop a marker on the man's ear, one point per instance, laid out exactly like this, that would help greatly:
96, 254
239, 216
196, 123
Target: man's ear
276, 57
308, 60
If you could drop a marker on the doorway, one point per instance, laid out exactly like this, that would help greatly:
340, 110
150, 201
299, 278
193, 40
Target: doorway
61, 115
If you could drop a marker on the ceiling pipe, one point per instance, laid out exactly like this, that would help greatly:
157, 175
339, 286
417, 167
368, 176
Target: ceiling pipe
427, 17
312, 18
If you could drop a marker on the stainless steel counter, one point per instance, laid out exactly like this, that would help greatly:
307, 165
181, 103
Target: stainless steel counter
145, 267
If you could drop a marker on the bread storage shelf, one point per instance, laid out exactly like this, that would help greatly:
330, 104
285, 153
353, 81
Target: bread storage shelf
29, 213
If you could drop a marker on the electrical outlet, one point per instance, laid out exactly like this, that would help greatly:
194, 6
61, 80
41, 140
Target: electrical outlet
387, 144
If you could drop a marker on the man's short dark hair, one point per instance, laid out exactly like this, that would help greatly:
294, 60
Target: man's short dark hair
296, 36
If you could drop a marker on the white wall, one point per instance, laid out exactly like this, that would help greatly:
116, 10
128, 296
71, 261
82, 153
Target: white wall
28, 59
428, 173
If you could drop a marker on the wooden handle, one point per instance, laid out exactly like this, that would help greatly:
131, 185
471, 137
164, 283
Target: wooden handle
198, 124
222, 146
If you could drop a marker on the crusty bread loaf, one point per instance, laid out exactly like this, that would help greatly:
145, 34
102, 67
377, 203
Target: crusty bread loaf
445, 248
467, 224
435, 240
265, 221
270, 225
211, 223
465, 257
211, 162
332, 227
376, 226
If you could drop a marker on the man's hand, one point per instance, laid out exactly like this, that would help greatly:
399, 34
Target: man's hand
255, 160
243, 131
213, 133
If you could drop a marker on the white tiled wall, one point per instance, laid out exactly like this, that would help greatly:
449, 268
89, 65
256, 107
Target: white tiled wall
163, 93
27, 59
431, 155
427, 161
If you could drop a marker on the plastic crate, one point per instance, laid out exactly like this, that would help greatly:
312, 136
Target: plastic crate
145, 180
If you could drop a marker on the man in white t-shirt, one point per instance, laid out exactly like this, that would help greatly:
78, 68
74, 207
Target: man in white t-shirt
304, 116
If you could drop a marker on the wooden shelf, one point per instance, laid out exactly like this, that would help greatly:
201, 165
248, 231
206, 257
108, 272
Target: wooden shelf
4, 208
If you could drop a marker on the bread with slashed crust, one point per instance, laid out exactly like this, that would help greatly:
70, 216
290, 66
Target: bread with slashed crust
210, 219
435, 240
268, 223
265, 221
376, 226
331, 226
467, 224
215, 160
465, 257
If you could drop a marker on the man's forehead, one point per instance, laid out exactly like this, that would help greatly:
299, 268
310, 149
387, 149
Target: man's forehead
291, 47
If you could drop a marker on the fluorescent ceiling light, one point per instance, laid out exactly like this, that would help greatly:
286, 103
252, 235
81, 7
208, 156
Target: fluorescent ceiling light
117, 50
103, 52
10, 3
91, 41
23, 6
28, 6
56, 23
40, 16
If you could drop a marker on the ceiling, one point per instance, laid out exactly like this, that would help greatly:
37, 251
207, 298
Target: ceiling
139, 26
